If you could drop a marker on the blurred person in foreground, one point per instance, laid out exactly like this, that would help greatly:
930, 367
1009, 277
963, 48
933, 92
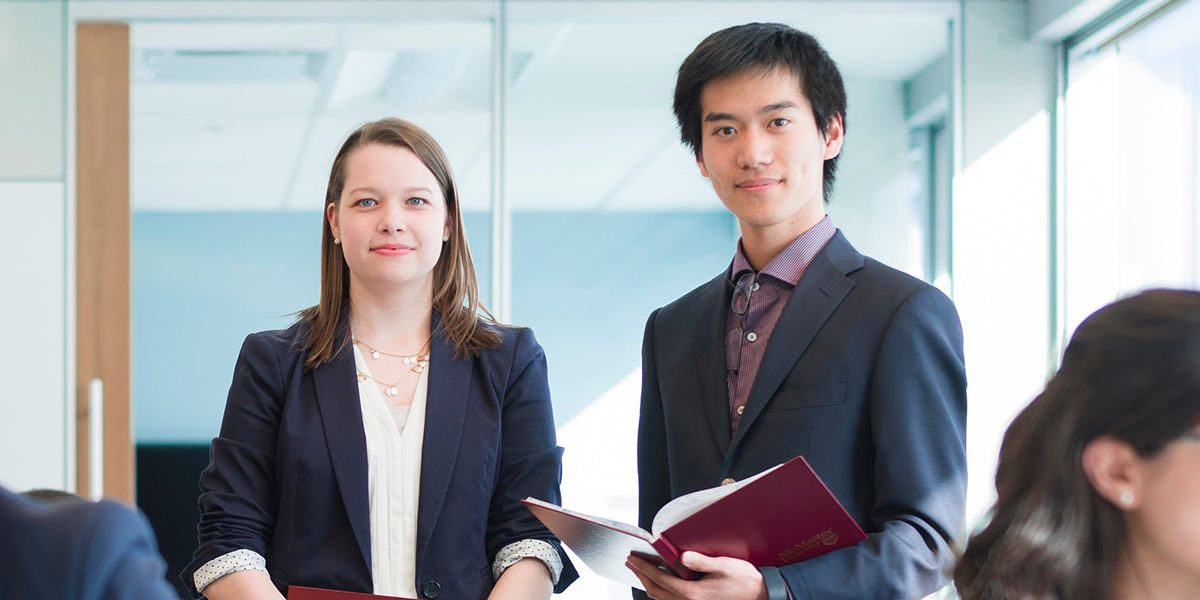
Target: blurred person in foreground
66, 548
1099, 478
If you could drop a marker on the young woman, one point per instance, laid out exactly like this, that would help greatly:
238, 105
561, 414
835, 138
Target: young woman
383, 443
1099, 478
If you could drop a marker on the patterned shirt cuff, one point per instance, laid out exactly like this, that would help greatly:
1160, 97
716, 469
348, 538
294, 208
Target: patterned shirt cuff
238, 560
541, 550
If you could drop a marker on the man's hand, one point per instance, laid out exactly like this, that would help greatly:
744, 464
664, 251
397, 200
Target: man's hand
724, 579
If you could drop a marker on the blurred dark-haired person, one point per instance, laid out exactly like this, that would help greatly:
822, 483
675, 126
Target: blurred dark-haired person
1098, 486
384, 442
68, 548
802, 346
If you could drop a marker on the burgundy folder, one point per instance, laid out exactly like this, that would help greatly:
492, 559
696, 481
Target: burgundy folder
781, 516
296, 592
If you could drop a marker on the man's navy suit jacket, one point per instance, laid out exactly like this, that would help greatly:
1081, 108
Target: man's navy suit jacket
288, 474
71, 548
863, 376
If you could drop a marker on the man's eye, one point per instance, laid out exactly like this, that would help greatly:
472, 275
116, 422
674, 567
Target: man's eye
723, 131
779, 122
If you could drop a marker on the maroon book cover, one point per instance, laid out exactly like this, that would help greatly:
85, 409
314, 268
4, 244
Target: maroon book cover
296, 592
781, 516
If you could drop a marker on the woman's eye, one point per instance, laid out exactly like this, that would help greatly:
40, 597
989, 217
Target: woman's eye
417, 201
368, 202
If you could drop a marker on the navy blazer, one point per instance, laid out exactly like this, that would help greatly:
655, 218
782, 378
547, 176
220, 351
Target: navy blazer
288, 474
863, 376
71, 548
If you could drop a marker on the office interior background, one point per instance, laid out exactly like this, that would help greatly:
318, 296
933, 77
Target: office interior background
1033, 159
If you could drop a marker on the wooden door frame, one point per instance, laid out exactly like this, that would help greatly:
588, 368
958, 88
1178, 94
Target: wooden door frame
102, 253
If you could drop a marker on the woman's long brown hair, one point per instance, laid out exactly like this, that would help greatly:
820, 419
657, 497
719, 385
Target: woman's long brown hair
1131, 371
455, 288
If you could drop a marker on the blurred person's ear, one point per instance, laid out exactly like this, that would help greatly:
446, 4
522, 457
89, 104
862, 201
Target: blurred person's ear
1114, 469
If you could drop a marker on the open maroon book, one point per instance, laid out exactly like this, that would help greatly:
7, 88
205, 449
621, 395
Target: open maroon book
296, 592
781, 516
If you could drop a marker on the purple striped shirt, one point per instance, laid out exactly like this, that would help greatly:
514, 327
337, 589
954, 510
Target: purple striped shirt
770, 292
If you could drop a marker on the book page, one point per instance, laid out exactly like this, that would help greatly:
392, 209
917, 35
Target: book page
625, 528
690, 504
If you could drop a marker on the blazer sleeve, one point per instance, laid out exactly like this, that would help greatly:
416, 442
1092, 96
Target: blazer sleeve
238, 500
918, 427
654, 488
123, 539
530, 458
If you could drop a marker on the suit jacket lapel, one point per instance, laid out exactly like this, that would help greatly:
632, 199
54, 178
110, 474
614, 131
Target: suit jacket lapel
819, 292
341, 415
445, 411
708, 348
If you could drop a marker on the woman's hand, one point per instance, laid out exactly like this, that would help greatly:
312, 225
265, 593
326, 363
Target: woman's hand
243, 585
527, 579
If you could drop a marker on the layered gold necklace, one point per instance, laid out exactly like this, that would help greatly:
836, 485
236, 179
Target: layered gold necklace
418, 361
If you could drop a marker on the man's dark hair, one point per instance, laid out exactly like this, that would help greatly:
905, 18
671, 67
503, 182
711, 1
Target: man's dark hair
761, 47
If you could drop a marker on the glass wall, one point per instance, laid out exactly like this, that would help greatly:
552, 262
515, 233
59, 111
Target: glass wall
235, 125
1132, 162
34, 248
602, 214
611, 218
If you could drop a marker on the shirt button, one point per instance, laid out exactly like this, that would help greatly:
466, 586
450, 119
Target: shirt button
754, 288
741, 409
727, 481
750, 337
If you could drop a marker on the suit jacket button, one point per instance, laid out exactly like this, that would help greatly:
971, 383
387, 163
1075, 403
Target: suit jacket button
727, 481
431, 589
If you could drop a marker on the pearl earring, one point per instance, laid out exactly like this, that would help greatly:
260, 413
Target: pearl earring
446, 238
1126, 498
336, 241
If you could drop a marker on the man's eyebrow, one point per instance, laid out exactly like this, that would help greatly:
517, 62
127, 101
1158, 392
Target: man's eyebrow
770, 108
777, 106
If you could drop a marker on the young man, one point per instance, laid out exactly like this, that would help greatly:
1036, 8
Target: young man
803, 347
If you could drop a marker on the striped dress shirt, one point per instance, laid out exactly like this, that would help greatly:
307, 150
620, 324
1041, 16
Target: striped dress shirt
768, 294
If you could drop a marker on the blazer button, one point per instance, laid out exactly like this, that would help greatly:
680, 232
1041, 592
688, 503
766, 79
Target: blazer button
727, 481
431, 589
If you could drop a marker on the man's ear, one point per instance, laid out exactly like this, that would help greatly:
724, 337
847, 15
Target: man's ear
700, 163
1115, 471
834, 135
331, 216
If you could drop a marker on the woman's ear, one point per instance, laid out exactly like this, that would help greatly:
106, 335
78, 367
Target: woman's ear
1115, 471
331, 216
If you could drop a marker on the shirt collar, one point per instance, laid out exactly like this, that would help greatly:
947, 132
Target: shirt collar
790, 264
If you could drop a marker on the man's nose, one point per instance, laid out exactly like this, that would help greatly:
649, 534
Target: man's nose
755, 149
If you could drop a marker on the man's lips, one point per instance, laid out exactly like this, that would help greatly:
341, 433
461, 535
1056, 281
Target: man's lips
758, 185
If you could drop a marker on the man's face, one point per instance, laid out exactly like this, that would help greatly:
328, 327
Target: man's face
763, 152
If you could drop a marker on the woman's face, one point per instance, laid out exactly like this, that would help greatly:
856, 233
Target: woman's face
391, 218
1164, 528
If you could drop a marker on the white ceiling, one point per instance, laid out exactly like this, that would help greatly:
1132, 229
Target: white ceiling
237, 115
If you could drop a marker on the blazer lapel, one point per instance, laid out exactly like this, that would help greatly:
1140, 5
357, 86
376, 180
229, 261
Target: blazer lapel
708, 348
819, 292
341, 414
445, 411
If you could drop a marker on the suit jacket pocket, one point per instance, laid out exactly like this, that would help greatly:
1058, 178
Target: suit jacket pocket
809, 396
